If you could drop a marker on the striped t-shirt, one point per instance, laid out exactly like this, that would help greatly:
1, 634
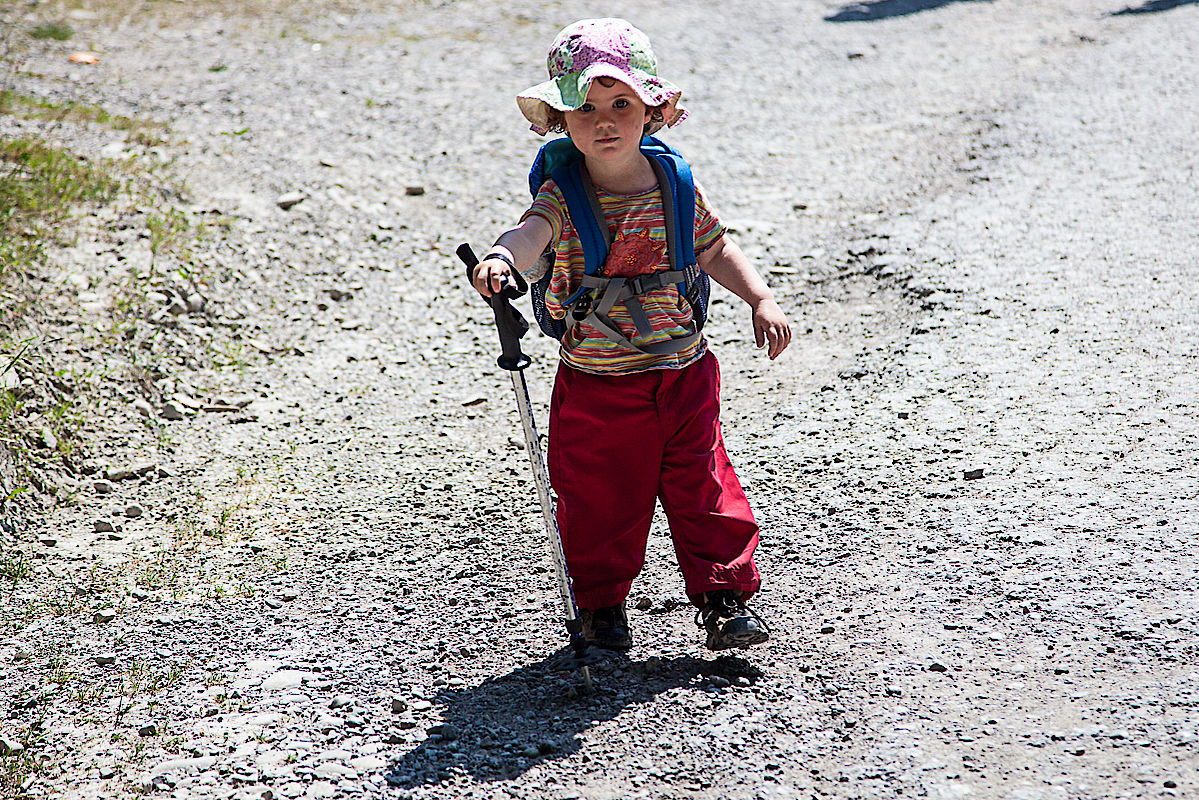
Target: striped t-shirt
638, 231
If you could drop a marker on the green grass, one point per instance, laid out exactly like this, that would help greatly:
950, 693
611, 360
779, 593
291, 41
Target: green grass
38, 186
13, 567
142, 131
58, 31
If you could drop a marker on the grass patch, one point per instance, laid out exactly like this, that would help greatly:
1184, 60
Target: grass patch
58, 31
145, 132
38, 186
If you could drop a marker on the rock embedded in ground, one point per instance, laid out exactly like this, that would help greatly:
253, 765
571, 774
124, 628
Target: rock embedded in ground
341, 701
287, 200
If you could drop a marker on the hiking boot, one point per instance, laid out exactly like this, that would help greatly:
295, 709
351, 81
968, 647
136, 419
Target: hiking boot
729, 621
607, 627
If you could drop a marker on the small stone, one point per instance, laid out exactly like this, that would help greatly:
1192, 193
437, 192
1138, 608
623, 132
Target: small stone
104, 615
289, 199
532, 751
131, 471
827, 629
719, 681
102, 526
46, 541
103, 487
328, 723
195, 302
414, 191
49, 440
355, 721
973, 474
133, 511
398, 705
172, 410
177, 307
10, 747
644, 604
274, 605
107, 773
284, 679
446, 731
148, 730
937, 666
421, 705
341, 701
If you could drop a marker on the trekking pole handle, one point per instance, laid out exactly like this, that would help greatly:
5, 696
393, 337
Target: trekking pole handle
508, 321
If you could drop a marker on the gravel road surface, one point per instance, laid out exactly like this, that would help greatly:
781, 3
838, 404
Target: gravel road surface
974, 469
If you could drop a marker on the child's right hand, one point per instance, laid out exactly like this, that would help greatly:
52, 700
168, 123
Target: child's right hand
490, 276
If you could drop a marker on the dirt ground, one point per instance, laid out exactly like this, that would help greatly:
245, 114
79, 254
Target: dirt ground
974, 469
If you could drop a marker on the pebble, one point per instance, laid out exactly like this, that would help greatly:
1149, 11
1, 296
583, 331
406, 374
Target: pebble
172, 410
104, 487
130, 471
445, 730
133, 511
9, 747
105, 659
284, 679
341, 701
148, 730
320, 789
289, 199
104, 615
142, 407
937, 666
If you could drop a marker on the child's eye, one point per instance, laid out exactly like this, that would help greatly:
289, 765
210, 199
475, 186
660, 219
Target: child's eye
586, 107
621, 103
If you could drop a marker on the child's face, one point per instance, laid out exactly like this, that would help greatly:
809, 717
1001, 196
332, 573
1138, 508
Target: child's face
609, 125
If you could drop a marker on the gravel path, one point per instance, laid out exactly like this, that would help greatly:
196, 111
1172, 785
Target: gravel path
974, 469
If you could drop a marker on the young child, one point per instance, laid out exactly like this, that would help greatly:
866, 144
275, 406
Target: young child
635, 416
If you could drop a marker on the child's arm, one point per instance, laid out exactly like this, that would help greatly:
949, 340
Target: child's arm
523, 245
731, 268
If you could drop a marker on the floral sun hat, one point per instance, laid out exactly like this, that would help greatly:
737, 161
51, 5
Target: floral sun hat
595, 48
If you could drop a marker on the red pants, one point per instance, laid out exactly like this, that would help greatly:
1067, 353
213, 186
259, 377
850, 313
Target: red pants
617, 443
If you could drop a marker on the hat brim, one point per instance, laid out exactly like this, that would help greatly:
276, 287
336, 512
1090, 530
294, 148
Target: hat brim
568, 93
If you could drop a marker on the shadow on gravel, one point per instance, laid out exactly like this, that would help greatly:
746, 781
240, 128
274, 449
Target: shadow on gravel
505, 726
882, 9
1153, 6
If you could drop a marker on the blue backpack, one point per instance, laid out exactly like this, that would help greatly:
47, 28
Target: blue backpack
562, 161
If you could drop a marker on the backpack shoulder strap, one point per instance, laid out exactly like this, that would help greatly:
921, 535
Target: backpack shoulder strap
583, 206
674, 173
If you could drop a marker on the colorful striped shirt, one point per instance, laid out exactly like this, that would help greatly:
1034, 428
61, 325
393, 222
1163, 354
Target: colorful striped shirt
638, 230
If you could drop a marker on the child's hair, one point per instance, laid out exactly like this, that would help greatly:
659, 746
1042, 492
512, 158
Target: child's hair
557, 119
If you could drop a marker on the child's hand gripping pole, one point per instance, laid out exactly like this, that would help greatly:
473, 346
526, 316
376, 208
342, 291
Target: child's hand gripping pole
512, 326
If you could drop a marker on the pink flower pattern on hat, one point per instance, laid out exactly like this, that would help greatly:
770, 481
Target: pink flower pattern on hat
594, 48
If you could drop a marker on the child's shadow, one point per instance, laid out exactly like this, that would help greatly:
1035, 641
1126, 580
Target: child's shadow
506, 725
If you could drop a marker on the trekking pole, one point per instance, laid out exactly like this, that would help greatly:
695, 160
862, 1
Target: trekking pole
512, 326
